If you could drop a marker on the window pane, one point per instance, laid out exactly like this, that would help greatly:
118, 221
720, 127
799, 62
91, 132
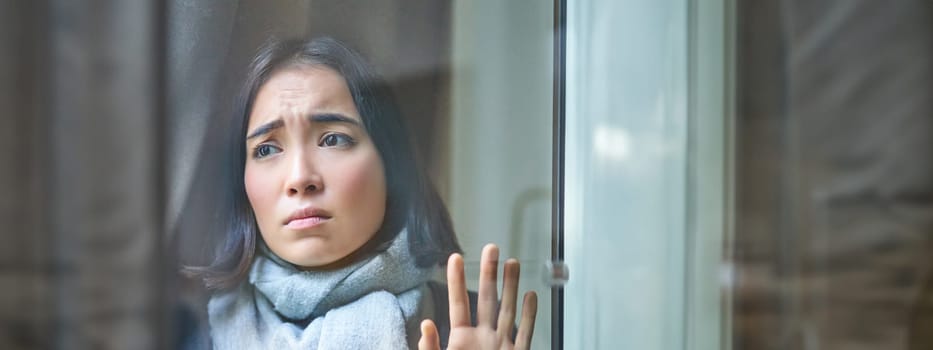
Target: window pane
627, 127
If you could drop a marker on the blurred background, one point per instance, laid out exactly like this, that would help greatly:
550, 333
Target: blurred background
729, 174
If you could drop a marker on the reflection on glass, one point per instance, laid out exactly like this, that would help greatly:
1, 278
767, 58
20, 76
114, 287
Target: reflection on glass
832, 244
626, 136
500, 137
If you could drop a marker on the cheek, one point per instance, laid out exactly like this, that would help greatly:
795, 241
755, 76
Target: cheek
364, 189
260, 192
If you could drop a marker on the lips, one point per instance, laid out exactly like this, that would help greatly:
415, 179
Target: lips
306, 218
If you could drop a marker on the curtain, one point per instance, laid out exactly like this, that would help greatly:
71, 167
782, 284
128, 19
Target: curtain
835, 213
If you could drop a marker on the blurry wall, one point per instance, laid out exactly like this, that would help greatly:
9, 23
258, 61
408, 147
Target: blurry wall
81, 205
25, 255
835, 191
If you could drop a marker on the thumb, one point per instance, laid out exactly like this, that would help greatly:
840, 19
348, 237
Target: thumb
429, 338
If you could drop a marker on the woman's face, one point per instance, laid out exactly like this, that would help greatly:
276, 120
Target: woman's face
313, 176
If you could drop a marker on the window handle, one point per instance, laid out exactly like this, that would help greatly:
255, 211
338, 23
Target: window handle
556, 273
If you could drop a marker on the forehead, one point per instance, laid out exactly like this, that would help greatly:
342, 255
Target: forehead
301, 90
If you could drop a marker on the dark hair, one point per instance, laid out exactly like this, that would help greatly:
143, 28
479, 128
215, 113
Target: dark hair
412, 202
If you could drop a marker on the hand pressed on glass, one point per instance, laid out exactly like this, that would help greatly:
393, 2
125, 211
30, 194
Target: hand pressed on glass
493, 331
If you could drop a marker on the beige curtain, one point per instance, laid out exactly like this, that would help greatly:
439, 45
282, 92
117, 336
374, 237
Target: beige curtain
835, 174
81, 175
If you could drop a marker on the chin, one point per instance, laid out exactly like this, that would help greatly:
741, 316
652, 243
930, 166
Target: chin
315, 261
309, 252
315, 253
312, 261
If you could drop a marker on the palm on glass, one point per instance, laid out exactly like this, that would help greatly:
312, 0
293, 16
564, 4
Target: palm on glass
495, 325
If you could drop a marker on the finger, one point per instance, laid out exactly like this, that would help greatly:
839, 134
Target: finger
486, 307
429, 338
456, 293
526, 328
510, 276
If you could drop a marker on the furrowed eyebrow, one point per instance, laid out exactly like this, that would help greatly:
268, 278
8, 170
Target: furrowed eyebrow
266, 128
333, 118
317, 118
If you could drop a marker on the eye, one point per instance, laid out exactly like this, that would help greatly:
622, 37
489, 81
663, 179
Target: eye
336, 140
265, 150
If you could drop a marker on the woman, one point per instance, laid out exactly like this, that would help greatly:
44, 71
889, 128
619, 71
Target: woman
350, 230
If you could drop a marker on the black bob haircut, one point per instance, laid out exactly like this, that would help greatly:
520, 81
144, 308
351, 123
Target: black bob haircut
412, 202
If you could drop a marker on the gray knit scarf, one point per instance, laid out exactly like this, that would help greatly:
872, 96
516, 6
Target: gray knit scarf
376, 303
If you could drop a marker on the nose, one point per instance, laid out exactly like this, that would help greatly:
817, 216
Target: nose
303, 179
